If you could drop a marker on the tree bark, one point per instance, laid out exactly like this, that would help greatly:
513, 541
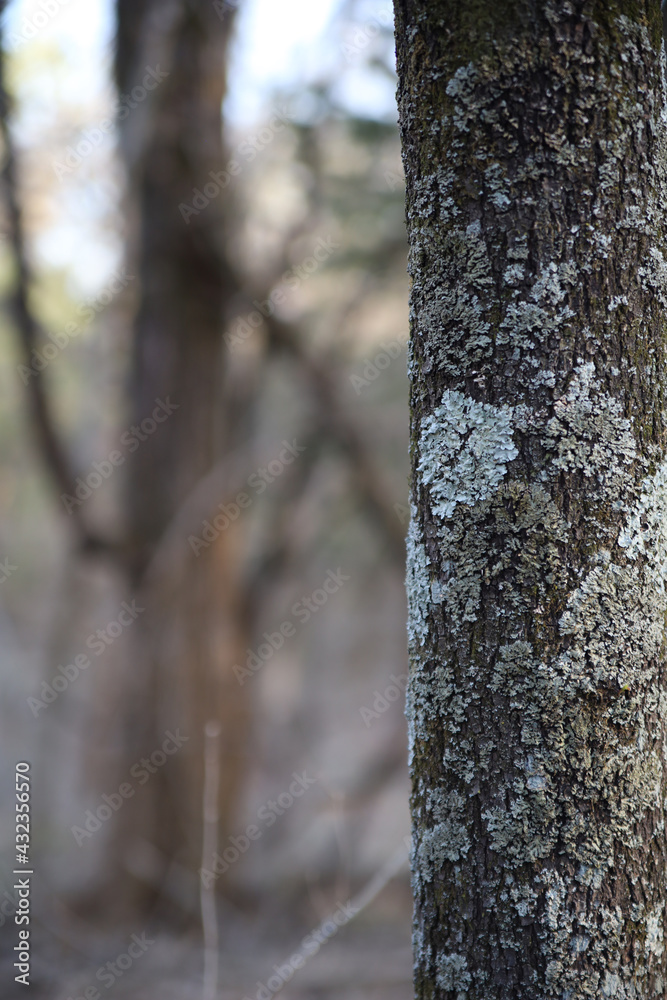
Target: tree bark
534, 148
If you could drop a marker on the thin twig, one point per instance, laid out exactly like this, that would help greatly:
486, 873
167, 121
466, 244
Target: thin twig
209, 915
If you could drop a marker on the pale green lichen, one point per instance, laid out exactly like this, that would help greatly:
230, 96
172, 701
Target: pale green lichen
514, 274
617, 618
464, 450
418, 593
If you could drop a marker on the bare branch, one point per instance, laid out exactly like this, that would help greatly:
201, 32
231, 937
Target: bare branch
31, 334
345, 431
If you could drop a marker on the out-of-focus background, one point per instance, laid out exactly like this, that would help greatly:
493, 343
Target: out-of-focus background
203, 447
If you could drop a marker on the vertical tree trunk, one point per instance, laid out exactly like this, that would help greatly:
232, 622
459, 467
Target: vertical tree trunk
192, 631
534, 147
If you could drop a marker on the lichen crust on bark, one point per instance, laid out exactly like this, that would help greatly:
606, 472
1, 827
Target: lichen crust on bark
535, 150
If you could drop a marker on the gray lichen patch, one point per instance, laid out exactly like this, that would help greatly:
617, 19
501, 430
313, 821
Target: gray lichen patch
453, 975
541, 312
645, 531
455, 311
418, 587
446, 838
655, 933
516, 533
417, 583
589, 432
464, 449
653, 274
617, 615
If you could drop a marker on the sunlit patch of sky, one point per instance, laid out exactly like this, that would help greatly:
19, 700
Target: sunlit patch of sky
296, 43
279, 47
81, 29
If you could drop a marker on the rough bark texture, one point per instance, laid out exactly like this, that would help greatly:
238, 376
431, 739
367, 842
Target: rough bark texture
534, 148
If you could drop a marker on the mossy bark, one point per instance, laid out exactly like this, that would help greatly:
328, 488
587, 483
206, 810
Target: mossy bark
534, 149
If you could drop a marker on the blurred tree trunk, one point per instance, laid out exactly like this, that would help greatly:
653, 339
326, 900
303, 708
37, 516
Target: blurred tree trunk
171, 63
534, 148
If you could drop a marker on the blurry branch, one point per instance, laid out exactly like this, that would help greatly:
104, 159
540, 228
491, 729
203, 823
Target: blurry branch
29, 331
336, 422
342, 428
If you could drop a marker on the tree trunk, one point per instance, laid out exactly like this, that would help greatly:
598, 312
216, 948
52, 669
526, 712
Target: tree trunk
192, 631
534, 148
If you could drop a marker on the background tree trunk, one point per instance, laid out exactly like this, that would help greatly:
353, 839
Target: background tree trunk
192, 631
534, 149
